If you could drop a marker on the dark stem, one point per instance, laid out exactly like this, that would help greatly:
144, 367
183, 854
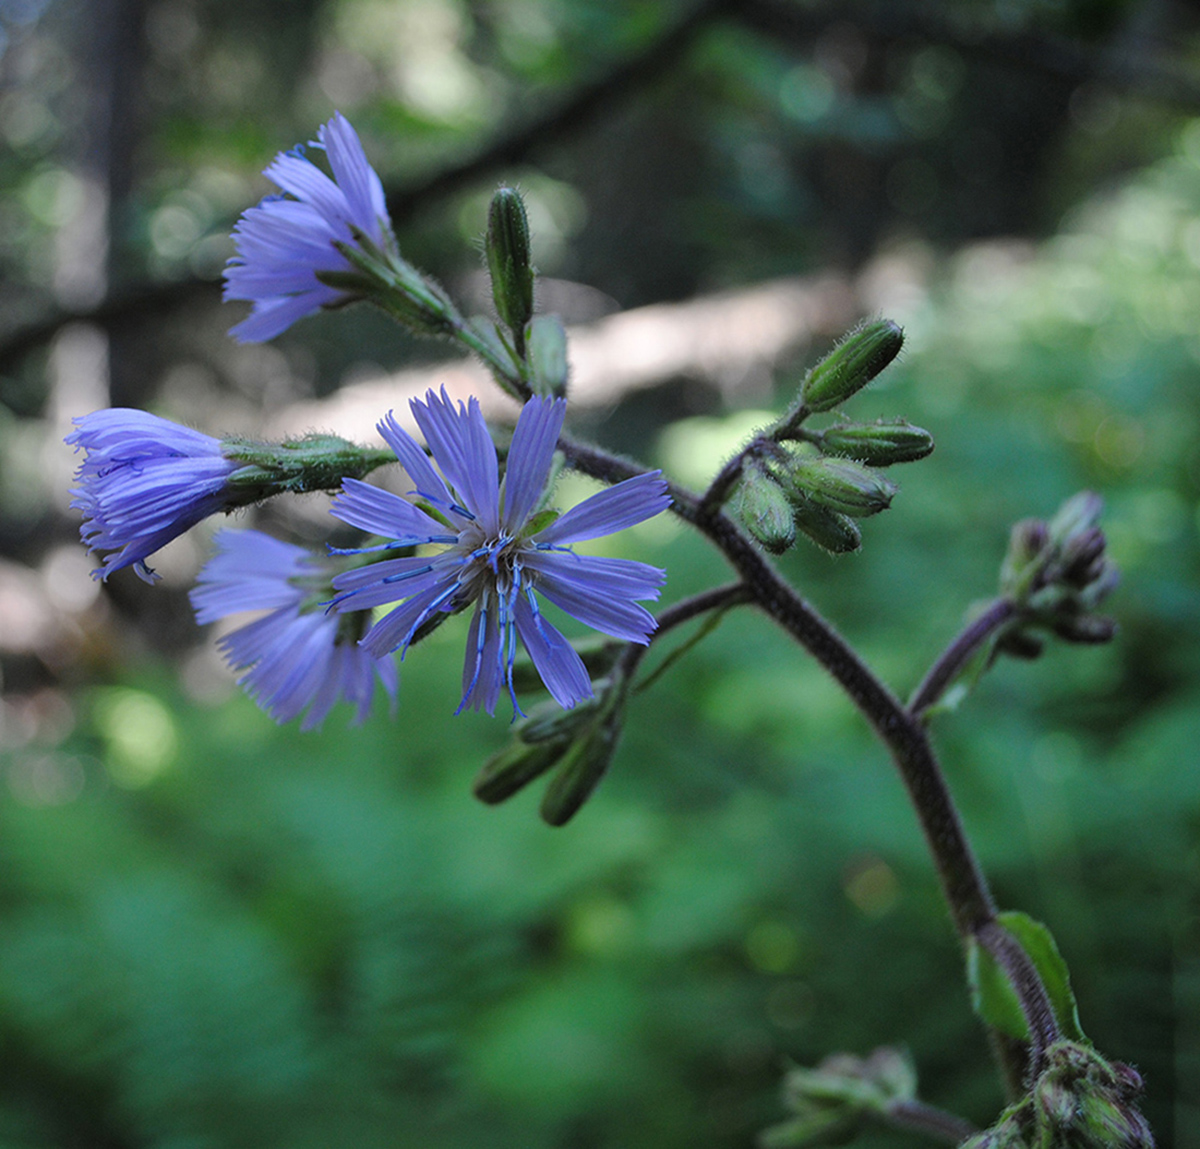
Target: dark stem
963, 883
934, 1123
717, 600
719, 597
958, 654
1022, 975
719, 489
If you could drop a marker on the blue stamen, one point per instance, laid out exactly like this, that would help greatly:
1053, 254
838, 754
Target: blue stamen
437, 602
480, 641
408, 574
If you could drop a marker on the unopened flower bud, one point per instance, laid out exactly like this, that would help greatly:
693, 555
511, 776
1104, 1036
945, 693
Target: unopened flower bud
1083, 557
583, 764
765, 510
546, 351
831, 531
1105, 1123
549, 722
1078, 514
507, 248
841, 485
1026, 543
514, 767
878, 444
851, 365
1091, 629
1128, 1081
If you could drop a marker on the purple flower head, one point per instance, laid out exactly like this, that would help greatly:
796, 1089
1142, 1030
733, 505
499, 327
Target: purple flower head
498, 551
143, 481
298, 656
284, 241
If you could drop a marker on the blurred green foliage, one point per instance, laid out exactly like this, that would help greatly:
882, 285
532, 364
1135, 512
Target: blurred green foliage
215, 932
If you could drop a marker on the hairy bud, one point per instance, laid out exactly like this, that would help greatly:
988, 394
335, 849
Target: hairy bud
841, 485
831, 531
765, 510
506, 246
851, 365
878, 444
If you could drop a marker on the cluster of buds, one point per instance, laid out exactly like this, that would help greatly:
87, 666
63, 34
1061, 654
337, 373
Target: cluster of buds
832, 1102
1080, 1101
1056, 573
819, 482
577, 744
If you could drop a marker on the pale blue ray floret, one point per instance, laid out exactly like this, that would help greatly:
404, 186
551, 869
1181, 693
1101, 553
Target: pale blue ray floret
499, 554
298, 656
143, 481
287, 239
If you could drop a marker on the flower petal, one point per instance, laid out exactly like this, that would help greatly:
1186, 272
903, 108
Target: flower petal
529, 458
354, 175
412, 458
599, 592
250, 571
395, 630
460, 443
379, 512
555, 659
610, 510
483, 672
391, 581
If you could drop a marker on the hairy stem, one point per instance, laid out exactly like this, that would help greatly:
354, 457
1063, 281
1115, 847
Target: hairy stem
963, 883
1022, 975
933, 1123
712, 602
959, 653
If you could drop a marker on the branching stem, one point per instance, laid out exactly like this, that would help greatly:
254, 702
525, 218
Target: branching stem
900, 728
958, 654
934, 1123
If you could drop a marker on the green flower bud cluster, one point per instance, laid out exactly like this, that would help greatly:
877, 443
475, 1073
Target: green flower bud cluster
784, 490
312, 463
577, 744
1057, 573
822, 486
1079, 1101
831, 1103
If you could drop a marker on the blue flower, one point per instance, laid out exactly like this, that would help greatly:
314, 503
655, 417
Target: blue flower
286, 240
143, 481
298, 655
499, 551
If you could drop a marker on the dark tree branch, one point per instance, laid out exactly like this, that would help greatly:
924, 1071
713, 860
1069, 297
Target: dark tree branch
1138, 74
579, 111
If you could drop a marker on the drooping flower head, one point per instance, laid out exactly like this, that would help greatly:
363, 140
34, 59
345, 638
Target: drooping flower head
143, 481
500, 554
298, 656
286, 240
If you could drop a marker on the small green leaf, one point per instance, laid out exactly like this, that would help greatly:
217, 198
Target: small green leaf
995, 1000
